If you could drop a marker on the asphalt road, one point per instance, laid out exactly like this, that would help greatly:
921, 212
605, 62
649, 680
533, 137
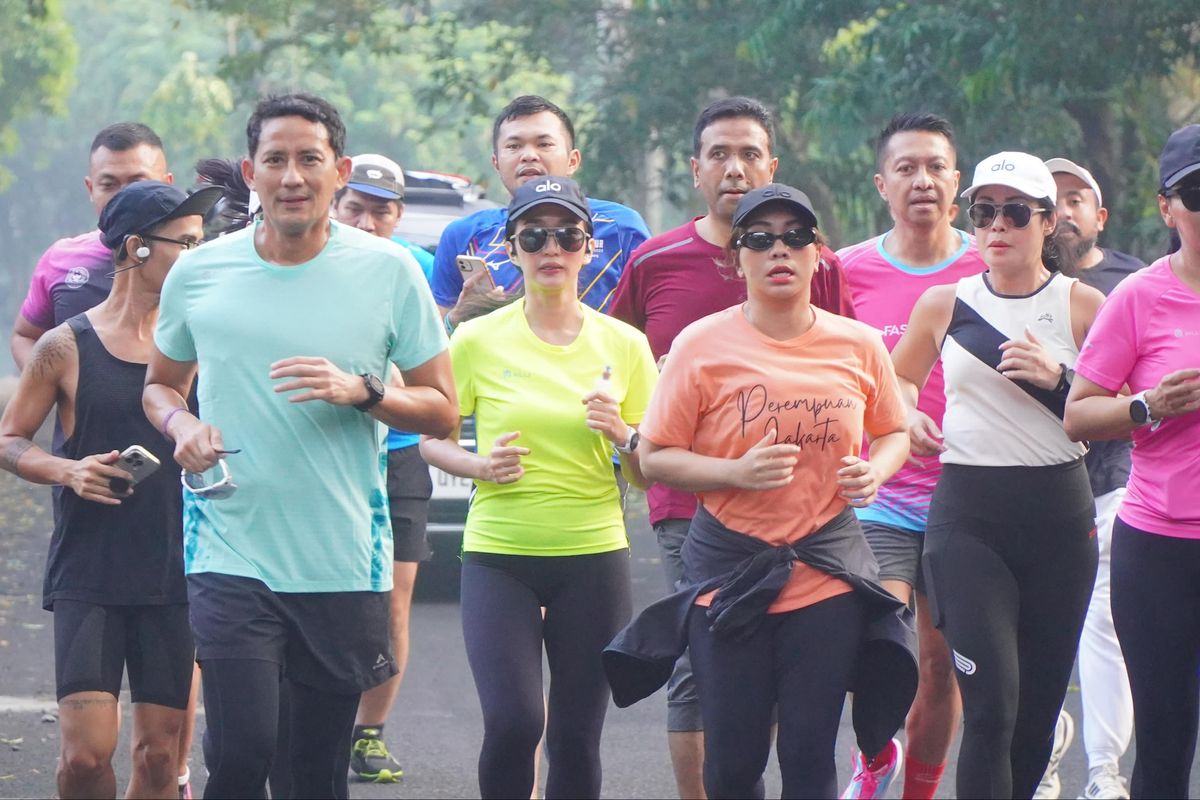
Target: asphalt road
435, 728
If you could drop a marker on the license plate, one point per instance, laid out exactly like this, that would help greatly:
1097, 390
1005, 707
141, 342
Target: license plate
449, 487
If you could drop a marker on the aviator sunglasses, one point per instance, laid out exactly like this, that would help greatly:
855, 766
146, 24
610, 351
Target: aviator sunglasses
760, 241
533, 240
1018, 214
1188, 195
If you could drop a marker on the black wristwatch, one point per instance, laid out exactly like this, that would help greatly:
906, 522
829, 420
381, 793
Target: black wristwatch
1065, 379
631, 445
374, 392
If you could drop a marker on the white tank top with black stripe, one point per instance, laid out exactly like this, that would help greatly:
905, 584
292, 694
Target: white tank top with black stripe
990, 420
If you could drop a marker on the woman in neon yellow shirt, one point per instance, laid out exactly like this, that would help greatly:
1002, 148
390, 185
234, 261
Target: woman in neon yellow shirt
556, 386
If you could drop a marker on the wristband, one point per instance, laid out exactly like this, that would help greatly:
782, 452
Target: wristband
447, 324
167, 420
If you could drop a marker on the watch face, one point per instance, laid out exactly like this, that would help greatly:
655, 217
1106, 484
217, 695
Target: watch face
1138, 411
375, 384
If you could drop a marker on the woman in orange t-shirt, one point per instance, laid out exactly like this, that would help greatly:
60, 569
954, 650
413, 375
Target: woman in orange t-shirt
761, 411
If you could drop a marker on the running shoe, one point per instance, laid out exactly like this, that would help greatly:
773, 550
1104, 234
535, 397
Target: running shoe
185, 791
1064, 733
1105, 783
370, 760
872, 778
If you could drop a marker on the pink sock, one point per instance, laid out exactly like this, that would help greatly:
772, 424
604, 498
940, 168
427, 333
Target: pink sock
921, 780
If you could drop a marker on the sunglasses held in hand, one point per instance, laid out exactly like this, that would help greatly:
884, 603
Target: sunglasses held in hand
195, 482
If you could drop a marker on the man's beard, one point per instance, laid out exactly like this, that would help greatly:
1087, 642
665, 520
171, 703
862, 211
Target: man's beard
1073, 250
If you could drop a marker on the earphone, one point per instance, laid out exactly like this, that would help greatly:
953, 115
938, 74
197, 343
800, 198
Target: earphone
142, 252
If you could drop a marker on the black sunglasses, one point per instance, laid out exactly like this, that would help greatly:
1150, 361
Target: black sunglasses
1188, 195
760, 241
984, 214
186, 244
532, 240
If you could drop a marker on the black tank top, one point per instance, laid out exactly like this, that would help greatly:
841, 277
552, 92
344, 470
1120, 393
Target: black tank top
131, 554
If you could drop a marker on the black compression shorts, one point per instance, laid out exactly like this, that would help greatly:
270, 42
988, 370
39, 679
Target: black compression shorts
95, 644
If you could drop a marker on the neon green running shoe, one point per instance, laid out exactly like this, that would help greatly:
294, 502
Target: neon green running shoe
370, 760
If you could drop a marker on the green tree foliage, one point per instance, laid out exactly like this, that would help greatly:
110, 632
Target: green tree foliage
35, 65
413, 80
1098, 82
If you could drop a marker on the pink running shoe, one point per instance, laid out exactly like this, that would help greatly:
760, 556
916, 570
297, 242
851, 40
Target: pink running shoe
872, 779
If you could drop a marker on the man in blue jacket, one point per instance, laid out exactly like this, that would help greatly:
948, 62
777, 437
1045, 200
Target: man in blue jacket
531, 139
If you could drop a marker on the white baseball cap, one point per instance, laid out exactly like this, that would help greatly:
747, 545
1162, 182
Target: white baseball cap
1021, 171
1071, 168
376, 175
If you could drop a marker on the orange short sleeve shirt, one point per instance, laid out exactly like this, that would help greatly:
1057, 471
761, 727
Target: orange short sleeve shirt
725, 385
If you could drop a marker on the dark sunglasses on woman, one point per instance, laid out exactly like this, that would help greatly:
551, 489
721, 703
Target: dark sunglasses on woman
532, 240
1018, 214
760, 241
1188, 195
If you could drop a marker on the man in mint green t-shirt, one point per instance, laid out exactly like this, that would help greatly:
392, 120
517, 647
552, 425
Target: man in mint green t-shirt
294, 324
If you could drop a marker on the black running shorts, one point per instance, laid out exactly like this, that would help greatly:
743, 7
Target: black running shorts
337, 642
409, 490
95, 644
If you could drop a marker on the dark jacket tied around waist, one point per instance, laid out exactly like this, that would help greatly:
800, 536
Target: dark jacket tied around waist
748, 575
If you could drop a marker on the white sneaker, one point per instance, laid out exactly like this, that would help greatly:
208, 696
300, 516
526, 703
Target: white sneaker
1105, 783
1064, 733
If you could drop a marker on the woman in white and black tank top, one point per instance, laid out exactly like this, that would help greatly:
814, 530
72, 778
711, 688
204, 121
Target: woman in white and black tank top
1010, 555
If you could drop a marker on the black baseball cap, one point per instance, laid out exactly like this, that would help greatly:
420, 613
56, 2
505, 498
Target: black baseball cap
377, 176
142, 205
1180, 157
774, 193
550, 189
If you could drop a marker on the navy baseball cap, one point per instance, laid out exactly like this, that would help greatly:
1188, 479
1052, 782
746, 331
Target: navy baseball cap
551, 189
142, 205
774, 193
1180, 157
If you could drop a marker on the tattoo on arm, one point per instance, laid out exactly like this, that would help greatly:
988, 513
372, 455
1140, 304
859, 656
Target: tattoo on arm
12, 454
50, 352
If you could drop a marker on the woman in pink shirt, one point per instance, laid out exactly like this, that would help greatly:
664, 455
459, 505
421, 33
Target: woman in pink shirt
1147, 337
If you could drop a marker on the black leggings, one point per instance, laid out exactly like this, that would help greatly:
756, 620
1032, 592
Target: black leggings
587, 600
799, 661
1010, 559
1156, 611
241, 703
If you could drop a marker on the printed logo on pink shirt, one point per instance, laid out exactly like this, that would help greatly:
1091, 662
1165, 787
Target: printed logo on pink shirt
76, 277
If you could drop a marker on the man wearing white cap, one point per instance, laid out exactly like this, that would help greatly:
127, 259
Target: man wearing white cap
1107, 704
373, 201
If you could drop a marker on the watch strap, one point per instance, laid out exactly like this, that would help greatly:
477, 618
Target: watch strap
374, 392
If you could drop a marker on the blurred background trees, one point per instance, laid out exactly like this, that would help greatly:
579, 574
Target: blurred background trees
419, 80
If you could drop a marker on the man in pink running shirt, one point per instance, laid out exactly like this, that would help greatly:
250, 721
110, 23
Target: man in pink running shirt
917, 179
671, 281
72, 276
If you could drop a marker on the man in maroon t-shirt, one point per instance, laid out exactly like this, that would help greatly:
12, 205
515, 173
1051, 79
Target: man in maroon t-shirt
671, 281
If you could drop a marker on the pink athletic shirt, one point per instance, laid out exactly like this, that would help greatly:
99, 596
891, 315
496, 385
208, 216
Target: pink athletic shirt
885, 290
674, 279
1148, 327
70, 277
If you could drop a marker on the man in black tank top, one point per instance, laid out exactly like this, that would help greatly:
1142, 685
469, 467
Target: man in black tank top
114, 575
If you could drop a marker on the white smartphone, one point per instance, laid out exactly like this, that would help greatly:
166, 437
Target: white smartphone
139, 462
471, 265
